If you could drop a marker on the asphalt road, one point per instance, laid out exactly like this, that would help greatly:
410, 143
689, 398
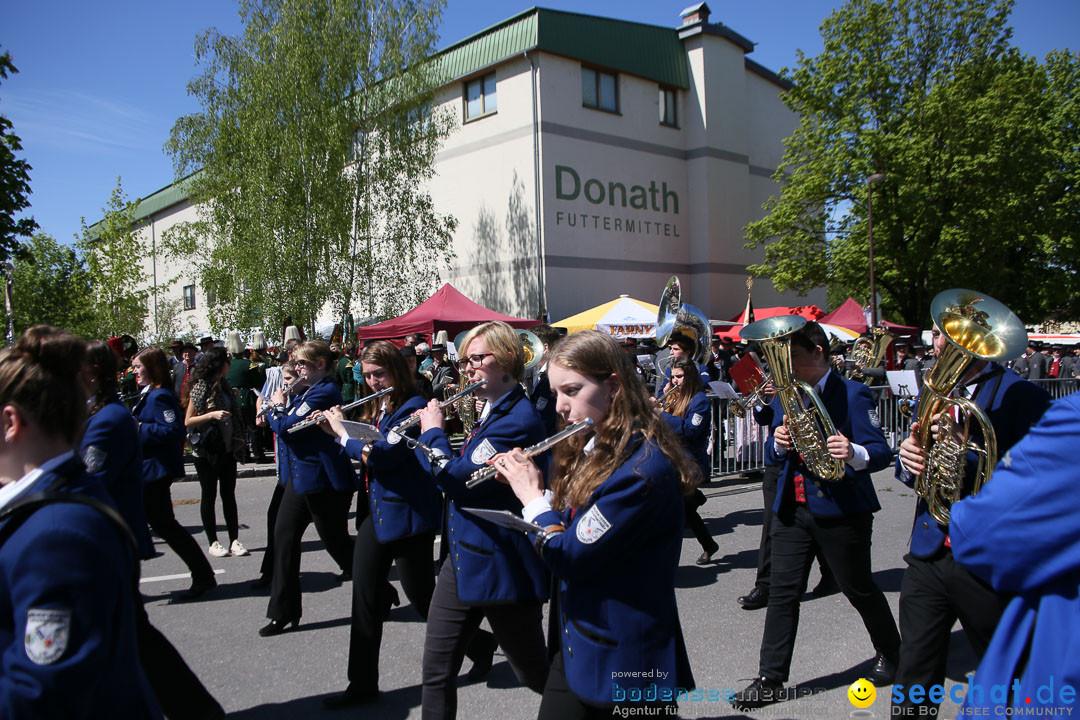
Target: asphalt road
287, 676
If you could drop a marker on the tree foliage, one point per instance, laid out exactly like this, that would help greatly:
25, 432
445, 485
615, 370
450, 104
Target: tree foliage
978, 145
310, 157
14, 182
114, 256
51, 286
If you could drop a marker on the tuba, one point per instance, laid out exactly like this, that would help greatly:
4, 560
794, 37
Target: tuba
684, 318
810, 426
869, 352
976, 327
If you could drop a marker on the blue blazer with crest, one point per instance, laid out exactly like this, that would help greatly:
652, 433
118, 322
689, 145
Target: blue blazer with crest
693, 429
162, 433
494, 565
403, 499
316, 462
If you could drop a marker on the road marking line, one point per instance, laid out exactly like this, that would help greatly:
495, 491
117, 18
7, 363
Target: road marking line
179, 576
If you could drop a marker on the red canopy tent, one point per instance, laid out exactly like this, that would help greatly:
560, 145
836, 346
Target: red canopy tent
810, 312
447, 310
850, 315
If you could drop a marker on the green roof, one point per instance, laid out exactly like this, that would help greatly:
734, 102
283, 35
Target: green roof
155, 202
647, 51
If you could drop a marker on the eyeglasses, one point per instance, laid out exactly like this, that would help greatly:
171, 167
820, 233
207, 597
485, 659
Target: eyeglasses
474, 360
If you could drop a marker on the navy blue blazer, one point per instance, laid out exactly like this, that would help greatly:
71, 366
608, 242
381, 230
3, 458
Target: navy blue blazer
67, 611
615, 576
110, 450
693, 430
543, 399
316, 461
281, 452
494, 565
853, 412
162, 433
1013, 405
770, 416
403, 499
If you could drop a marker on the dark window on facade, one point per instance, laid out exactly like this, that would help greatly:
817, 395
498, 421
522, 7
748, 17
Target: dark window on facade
189, 297
480, 97
668, 115
599, 90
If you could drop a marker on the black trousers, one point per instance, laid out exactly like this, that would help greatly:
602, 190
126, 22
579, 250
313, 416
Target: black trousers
845, 541
935, 593
329, 510
560, 702
450, 627
370, 569
179, 691
215, 470
696, 524
157, 503
769, 481
266, 569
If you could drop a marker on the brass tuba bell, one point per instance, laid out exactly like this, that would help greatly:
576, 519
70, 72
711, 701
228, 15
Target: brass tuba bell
976, 327
869, 351
684, 318
810, 426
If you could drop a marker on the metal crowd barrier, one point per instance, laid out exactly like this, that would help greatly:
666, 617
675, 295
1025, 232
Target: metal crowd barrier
1058, 387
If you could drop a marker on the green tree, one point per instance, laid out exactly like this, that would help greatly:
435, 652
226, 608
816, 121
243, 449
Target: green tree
307, 162
14, 182
51, 286
978, 146
114, 258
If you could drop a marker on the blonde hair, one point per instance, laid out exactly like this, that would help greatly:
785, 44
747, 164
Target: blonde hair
314, 350
575, 475
503, 342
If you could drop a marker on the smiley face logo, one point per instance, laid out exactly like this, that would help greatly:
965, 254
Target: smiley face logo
862, 693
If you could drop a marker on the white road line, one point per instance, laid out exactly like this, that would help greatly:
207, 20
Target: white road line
164, 578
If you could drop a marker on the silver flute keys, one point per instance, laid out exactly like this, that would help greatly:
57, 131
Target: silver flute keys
491, 471
415, 418
303, 424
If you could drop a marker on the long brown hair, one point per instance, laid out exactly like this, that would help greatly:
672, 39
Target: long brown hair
42, 376
156, 366
575, 475
678, 401
387, 356
102, 363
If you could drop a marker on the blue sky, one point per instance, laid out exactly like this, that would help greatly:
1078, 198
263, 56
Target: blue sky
100, 84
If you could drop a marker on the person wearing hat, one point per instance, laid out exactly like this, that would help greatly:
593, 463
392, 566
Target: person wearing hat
443, 373
177, 356
1032, 364
423, 385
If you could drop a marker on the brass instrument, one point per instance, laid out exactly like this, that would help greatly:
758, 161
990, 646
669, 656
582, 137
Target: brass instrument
486, 473
683, 318
869, 352
810, 426
976, 328
464, 407
739, 408
532, 347
408, 422
304, 424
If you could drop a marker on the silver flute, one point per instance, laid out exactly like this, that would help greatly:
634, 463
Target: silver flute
413, 419
486, 473
303, 424
269, 406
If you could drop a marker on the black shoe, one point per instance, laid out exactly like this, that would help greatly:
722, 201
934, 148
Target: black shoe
884, 670
349, 698
198, 589
263, 583
276, 627
343, 577
825, 587
759, 693
704, 558
757, 599
485, 657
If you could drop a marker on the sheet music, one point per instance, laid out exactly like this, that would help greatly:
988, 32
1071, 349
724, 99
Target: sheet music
903, 383
723, 390
362, 431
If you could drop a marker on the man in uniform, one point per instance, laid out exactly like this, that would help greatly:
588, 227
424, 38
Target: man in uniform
540, 393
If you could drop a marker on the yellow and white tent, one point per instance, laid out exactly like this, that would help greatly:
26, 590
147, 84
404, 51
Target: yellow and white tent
622, 317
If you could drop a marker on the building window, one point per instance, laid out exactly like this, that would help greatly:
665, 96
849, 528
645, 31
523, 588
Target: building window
668, 115
189, 297
480, 97
599, 90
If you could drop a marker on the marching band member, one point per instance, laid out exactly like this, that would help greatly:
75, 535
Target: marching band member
687, 411
488, 571
318, 488
540, 394
68, 570
936, 591
837, 516
614, 531
405, 509
679, 346
161, 434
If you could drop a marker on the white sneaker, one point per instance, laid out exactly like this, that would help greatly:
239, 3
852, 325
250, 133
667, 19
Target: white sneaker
238, 548
217, 550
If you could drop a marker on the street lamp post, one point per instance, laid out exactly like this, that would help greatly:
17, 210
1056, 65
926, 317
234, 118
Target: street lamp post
870, 182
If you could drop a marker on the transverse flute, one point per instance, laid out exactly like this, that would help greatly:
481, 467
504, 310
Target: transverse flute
344, 408
415, 418
486, 473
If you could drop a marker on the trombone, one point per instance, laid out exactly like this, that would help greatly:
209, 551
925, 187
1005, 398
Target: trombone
408, 422
486, 473
304, 424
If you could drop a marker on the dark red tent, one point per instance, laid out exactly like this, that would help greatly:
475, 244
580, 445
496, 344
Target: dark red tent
850, 315
447, 310
810, 312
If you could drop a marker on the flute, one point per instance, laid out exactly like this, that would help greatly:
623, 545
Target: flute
269, 406
345, 408
415, 418
486, 473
